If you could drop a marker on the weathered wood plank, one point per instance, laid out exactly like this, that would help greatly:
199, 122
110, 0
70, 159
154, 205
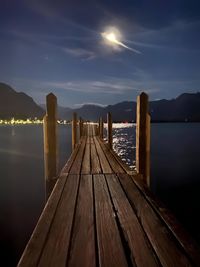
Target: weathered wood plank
116, 167
141, 251
57, 243
71, 160
86, 158
82, 251
76, 166
110, 248
95, 164
105, 166
124, 166
162, 240
36, 243
183, 238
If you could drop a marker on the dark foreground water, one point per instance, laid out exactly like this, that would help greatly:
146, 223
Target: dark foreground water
22, 184
175, 175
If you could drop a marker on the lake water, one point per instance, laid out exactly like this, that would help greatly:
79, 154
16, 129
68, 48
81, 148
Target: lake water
175, 175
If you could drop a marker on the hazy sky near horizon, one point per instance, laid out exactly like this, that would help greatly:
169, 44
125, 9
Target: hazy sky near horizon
56, 46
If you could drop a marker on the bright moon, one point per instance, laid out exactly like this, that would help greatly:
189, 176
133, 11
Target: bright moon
110, 36
113, 37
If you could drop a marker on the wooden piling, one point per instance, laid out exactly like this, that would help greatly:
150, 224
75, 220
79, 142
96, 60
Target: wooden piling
109, 132
80, 127
101, 128
50, 143
143, 138
74, 131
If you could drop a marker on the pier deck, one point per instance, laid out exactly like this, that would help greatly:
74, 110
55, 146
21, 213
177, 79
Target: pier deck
101, 214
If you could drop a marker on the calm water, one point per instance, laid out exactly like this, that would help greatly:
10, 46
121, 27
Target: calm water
22, 184
175, 172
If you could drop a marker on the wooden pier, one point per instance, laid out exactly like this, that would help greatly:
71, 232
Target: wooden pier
100, 213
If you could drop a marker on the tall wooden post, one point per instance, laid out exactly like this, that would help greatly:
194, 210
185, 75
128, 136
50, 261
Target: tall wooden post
143, 138
74, 130
109, 121
101, 128
80, 127
50, 143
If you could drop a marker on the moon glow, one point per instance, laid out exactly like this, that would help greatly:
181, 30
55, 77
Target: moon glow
113, 38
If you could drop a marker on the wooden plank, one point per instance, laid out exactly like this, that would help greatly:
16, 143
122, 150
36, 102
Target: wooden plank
95, 164
85, 169
141, 252
105, 166
82, 251
76, 166
36, 243
183, 238
116, 167
162, 240
70, 161
57, 243
124, 166
110, 249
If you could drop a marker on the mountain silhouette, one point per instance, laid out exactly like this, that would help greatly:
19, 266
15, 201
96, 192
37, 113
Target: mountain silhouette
185, 107
17, 105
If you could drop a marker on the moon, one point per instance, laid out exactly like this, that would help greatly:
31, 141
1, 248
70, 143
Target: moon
113, 38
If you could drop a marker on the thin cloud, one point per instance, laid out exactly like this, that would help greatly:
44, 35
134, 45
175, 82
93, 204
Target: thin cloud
89, 104
112, 86
79, 52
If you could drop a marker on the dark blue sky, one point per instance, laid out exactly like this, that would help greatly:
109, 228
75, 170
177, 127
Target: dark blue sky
57, 46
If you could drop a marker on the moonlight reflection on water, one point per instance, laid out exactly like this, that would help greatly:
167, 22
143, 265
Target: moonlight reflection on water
124, 140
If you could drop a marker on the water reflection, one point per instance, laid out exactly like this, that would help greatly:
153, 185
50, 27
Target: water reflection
124, 142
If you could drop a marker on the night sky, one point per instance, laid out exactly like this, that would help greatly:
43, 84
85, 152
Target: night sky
57, 46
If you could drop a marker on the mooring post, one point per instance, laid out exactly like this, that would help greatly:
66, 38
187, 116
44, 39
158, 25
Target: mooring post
80, 127
101, 128
50, 143
74, 130
98, 127
109, 132
143, 138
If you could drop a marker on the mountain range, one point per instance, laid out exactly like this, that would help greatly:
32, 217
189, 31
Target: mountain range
17, 105
185, 107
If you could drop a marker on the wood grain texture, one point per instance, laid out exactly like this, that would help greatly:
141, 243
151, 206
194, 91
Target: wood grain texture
183, 238
142, 137
86, 158
162, 240
110, 249
105, 166
141, 252
95, 164
82, 251
76, 166
68, 165
116, 167
57, 244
